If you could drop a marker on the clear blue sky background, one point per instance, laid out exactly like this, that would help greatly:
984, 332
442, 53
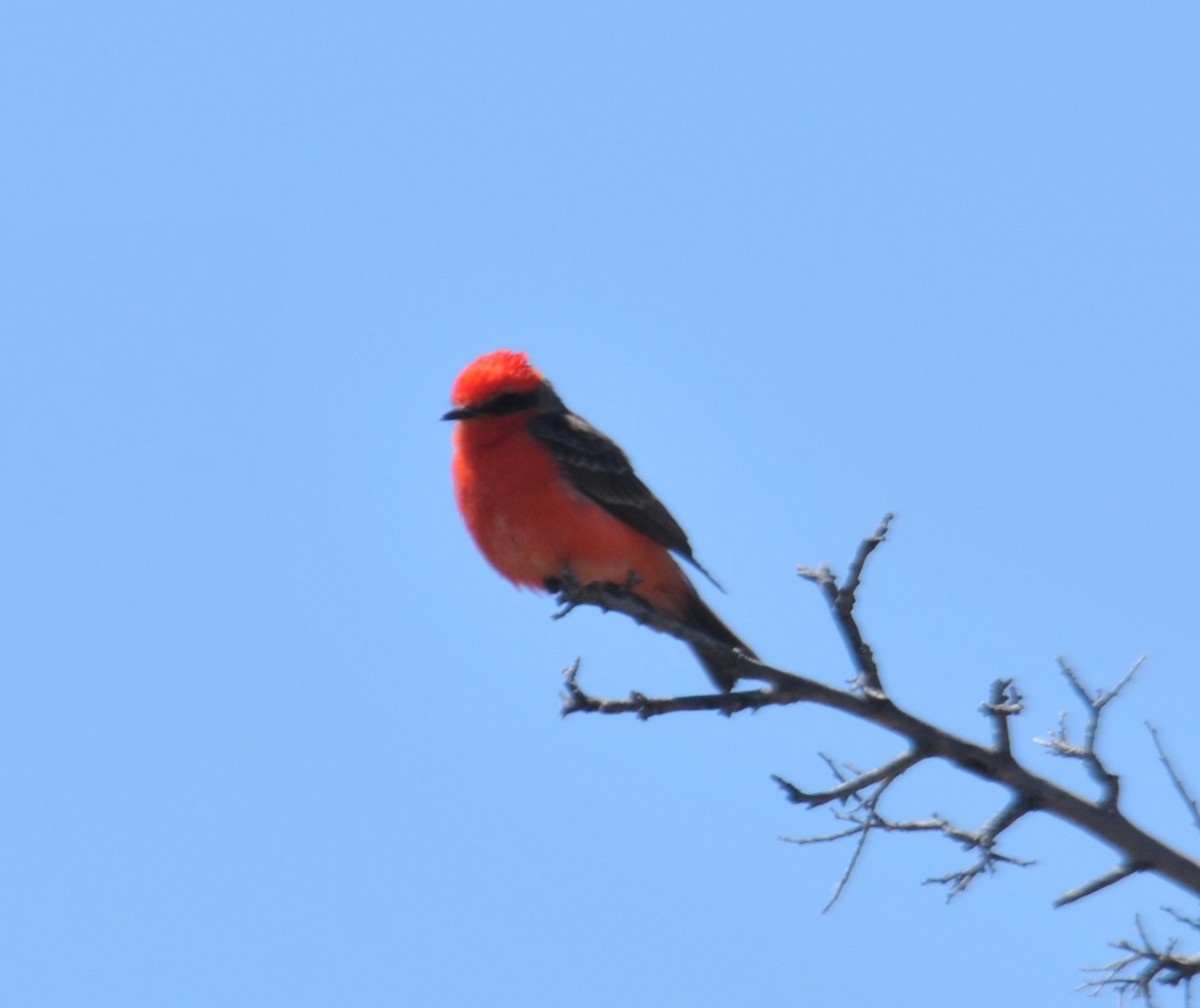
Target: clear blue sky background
273, 734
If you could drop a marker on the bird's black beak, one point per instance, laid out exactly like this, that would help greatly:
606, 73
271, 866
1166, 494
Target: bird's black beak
463, 413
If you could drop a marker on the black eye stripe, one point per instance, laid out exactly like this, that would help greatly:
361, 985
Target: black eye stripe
510, 402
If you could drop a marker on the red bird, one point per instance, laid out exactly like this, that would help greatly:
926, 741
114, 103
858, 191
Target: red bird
546, 495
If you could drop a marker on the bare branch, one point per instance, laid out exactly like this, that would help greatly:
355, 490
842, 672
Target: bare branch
864, 814
865, 549
1191, 803
841, 603
575, 700
987, 862
1059, 742
1143, 966
864, 817
886, 773
1111, 877
855, 799
984, 840
1192, 922
1004, 702
825, 838
1099, 820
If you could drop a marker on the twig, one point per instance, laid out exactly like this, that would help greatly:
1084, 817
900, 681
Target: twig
1059, 742
865, 549
575, 700
1192, 922
1110, 877
841, 603
984, 841
1191, 803
1157, 966
886, 773
1004, 702
988, 860
864, 817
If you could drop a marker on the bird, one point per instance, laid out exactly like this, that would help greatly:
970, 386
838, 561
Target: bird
549, 499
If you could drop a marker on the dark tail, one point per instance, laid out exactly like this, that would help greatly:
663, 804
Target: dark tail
718, 661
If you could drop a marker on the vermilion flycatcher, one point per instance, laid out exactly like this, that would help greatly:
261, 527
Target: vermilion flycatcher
546, 496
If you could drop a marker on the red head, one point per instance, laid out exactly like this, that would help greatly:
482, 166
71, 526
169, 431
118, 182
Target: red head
484, 381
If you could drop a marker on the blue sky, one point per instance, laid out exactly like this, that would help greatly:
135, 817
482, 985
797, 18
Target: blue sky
273, 733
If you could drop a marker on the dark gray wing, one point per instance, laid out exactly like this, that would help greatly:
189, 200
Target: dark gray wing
598, 469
